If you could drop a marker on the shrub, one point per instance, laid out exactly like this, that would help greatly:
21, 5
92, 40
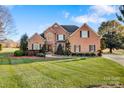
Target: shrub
40, 54
31, 52
92, 54
67, 50
84, 54
0, 47
87, 54
43, 50
19, 53
99, 53
67, 53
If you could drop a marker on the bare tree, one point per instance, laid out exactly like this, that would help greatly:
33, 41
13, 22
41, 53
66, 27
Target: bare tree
6, 21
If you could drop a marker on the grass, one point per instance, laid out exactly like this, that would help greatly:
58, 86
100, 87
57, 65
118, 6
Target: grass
77, 72
7, 51
63, 73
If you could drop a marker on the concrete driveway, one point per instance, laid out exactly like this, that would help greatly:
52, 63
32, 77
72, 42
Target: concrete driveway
117, 58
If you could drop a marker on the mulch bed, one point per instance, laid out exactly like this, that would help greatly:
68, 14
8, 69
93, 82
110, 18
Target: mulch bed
32, 57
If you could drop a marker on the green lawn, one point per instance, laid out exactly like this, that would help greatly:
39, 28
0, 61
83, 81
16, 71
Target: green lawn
76, 72
6, 51
63, 73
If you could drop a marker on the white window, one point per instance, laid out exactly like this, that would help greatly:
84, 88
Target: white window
84, 34
36, 46
77, 48
60, 37
92, 48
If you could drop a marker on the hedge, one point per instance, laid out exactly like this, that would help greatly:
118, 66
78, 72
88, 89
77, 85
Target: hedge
84, 54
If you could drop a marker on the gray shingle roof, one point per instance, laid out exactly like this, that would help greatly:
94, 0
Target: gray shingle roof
70, 28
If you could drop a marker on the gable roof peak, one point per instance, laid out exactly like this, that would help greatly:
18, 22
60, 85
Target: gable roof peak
85, 24
55, 23
36, 34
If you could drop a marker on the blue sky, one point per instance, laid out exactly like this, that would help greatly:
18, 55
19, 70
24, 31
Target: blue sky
32, 19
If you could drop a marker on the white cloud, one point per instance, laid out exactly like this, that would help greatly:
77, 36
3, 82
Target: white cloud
96, 14
66, 14
103, 9
88, 18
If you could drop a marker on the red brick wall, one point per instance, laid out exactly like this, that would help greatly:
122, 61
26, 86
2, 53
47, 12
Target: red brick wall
51, 35
93, 39
36, 38
75, 39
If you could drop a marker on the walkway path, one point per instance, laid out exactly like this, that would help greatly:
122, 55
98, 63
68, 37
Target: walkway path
117, 58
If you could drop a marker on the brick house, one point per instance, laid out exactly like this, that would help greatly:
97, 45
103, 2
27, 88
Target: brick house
82, 39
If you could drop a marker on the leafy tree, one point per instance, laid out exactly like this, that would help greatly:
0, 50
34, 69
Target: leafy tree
121, 16
67, 48
122, 39
24, 42
110, 26
112, 40
106, 29
60, 50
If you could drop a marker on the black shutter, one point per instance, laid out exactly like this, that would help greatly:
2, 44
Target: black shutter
79, 48
88, 34
89, 48
80, 33
74, 48
57, 37
32, 46
40, 46
64, 37
94, 48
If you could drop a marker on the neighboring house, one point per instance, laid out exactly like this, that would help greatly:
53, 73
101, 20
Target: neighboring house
82, 39
8, 43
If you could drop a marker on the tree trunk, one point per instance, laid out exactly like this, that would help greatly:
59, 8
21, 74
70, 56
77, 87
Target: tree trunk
110, 50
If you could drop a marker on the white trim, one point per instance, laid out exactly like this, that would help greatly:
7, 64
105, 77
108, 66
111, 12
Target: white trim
84, 34
60, 37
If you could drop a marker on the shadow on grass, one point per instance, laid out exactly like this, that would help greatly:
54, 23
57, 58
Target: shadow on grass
5, 59
71, 59
14, 61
